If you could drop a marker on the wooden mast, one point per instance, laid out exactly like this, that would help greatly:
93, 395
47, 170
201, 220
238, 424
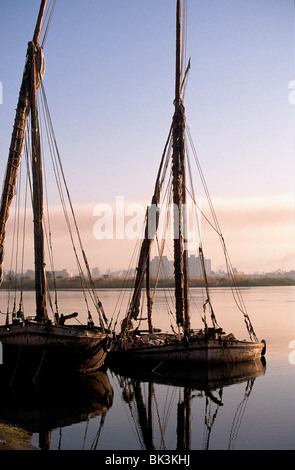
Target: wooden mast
17, 140
37, 177
178, 170
39, 22
178, 167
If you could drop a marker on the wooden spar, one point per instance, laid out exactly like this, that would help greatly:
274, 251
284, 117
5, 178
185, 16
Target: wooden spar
185, 264
40, 284
152, 222
178, 158
178, 56
152, 215
144, 414
148, 294
37, 32
37, 177
142, 267
178, 168
17, 141
143, 263
208, 301
184, 421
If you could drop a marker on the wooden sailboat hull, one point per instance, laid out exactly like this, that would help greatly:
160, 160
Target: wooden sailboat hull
43, 347
201, 351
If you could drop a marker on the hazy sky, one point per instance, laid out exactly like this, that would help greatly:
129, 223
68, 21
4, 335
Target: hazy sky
110, 84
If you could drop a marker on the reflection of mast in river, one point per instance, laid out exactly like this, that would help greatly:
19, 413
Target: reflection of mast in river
140, 396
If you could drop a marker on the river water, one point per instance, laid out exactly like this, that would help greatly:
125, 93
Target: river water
252, 408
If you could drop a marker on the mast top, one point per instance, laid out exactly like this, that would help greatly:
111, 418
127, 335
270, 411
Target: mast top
178, 84
39, 22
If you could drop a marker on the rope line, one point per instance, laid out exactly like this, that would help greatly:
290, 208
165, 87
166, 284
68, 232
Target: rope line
61, 183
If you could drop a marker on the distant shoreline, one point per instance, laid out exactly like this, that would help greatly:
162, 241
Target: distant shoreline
120, 283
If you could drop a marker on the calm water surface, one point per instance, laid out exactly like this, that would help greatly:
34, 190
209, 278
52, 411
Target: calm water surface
249, 409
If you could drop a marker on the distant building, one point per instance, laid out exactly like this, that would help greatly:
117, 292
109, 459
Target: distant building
95, 272
30, 274
63, 273
195, 268
167, 268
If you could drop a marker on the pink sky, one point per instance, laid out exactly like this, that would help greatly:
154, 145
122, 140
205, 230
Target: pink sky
258, 232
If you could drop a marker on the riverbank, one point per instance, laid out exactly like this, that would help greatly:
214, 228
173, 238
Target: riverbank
121, 283
14, 438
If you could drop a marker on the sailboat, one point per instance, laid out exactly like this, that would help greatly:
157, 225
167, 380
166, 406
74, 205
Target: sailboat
35, 341
185, 346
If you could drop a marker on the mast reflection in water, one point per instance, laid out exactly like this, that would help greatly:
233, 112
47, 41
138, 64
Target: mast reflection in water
150, 422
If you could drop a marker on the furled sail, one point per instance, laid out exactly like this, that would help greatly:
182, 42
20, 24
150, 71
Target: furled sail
34, 51
152, 220
17, 143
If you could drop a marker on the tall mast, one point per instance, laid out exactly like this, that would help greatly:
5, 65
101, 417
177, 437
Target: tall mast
40, 284
178, 171
37, 176
37, 32
17, 140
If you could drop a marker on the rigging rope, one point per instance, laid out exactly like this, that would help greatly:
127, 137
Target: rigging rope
240, 413
60, 179
47, 232
19, 183
202, 267
234, 287
166, 157
49, 13
209, 420
23, 246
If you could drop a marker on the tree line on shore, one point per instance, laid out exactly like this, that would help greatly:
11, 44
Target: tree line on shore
241, 280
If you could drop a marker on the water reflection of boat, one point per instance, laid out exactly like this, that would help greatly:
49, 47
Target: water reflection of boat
139, 393
203, 377
43, 406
